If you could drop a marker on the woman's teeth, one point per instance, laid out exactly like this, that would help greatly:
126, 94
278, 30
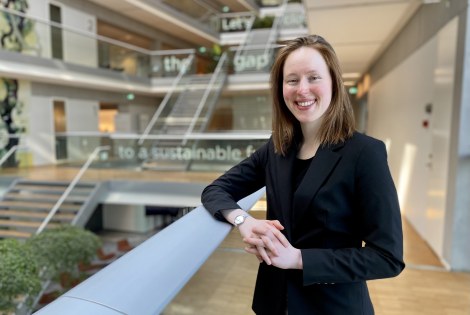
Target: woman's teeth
305, 104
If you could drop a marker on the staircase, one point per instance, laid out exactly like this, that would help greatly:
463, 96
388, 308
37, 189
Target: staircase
26, 204
186, 107
190, 113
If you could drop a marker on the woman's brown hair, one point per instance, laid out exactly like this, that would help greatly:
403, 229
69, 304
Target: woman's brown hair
338, 120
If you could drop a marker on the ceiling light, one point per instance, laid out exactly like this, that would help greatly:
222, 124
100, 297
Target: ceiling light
351, 75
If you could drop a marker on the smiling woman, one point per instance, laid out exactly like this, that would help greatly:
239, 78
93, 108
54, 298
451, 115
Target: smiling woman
328, 191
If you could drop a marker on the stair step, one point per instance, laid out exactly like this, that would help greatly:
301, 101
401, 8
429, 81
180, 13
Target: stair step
35, 215
28, 224
50, 189
42, 197
14, 234
36, 205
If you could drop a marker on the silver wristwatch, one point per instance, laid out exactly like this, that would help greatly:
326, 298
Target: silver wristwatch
239, 219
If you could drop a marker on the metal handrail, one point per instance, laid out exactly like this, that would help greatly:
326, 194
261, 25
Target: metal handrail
146, 279
275, 26
9, 153
242, 135
218, 69
70, 187
167, 97
242, 47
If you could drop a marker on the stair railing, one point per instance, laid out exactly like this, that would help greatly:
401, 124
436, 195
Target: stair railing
275, 27
246, 35
70, 187
218, 70
167, 97
9, 153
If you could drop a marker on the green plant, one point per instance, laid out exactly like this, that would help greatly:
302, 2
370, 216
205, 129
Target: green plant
263, 22
19, 273
62, 249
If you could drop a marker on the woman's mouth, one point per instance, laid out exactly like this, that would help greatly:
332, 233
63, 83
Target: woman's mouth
306, 103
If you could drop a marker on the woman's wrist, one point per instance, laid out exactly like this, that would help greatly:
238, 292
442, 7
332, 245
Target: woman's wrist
300, 263
232, 214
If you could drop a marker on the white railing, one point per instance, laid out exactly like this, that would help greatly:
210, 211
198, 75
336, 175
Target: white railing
9, 153
145, 280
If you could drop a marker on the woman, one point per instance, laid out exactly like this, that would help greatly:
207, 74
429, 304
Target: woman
333, 215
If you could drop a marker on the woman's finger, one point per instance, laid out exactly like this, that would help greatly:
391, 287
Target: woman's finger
264, 255
276, 224
269, 245
281, 237
254, 241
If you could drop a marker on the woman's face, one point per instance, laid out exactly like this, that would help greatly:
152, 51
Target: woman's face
307, 85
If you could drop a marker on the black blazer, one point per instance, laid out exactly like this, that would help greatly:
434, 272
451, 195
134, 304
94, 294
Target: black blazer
346, 199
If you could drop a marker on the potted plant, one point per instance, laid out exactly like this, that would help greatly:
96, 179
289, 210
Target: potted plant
19, 274
62, 249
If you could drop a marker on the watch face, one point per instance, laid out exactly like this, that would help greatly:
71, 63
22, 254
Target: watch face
239, 219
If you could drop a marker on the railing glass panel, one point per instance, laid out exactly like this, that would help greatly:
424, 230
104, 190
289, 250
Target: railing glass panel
253, 59
199, 10
42, 38
200, 152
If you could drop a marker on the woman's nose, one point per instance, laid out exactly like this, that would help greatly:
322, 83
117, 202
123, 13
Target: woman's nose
303, 86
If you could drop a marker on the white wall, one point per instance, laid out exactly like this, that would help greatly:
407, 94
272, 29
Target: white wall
81, 115
41, 138
419, 155
40, 9
79, 48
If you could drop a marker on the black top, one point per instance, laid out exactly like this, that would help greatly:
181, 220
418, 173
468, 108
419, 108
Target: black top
300, 168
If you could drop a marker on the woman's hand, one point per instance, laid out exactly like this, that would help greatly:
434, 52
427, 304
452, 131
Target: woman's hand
285, 256
266, 231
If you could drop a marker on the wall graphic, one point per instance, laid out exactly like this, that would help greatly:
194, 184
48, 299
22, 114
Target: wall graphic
13, 32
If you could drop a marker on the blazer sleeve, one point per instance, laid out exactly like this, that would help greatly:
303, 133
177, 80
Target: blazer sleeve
376, 204
238, 182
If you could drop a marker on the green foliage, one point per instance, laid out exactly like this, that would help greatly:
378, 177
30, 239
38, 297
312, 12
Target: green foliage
19, 273
61, 249
265, 22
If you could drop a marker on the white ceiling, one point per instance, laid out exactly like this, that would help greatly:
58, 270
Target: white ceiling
359, 30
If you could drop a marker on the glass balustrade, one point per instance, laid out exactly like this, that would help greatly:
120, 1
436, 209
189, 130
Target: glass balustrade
50, 40
198, 10
197, 152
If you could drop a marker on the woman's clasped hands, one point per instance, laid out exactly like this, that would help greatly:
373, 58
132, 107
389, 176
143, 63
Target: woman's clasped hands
265, 240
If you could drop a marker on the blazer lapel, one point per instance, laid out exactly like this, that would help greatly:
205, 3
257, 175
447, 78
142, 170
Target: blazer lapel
321, 167
284, 189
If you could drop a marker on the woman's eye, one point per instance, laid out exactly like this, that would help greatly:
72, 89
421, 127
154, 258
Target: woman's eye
292, 81
314, 78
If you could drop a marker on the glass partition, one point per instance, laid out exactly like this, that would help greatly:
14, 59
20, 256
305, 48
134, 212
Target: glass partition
42, 38
198, 152
252, 59
199, 10
169, 63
